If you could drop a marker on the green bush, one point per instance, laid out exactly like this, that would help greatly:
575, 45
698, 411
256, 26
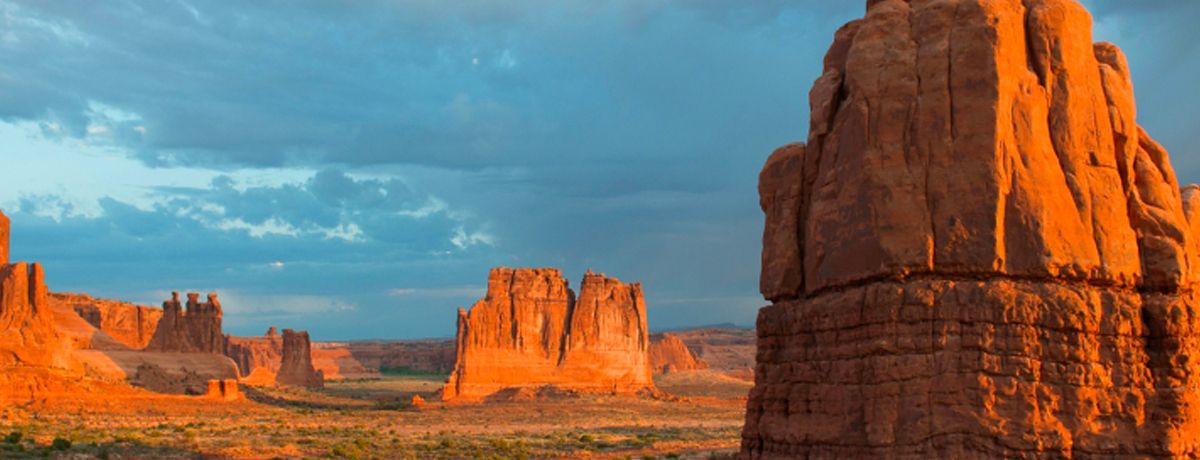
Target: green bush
13, 438
60, 444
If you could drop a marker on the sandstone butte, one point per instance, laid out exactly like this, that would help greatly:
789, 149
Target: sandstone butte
669, 354
130, 325
27, 333
978, 253
296, 366
195, 330
530, 331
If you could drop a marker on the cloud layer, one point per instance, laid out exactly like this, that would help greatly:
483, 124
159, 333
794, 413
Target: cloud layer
355, 169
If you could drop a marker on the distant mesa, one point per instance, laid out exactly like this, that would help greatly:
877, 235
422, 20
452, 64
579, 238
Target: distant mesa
978, 253
530, 332
668, 354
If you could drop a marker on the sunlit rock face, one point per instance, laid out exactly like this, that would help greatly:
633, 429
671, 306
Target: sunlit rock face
669, 354
196, 329
27, 333
130, 326
531, 331
978, 253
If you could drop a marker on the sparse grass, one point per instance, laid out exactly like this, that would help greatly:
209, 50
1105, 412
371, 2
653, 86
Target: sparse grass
372, 419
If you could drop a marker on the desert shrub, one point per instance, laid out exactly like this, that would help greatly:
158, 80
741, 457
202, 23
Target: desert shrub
60, 444
13, 438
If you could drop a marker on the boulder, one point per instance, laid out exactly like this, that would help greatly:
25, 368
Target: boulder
530, 331
987, 257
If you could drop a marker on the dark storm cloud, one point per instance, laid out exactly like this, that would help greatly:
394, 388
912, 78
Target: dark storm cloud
443, 138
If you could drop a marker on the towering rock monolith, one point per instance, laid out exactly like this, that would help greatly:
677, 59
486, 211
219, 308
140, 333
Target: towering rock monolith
531, 331
978, 253
27, 333
296, 366
195, 330
254, 353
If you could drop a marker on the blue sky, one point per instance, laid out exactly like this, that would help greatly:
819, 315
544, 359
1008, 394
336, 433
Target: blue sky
355, 168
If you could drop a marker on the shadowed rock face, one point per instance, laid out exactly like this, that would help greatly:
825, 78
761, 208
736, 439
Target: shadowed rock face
196, 330
978, 253
252, 353
296, 366
531, 331
669, 354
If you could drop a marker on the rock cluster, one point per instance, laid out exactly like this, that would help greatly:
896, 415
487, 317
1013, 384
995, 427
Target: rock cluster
978, 252
129, 324
530, 331
296, 365
669, 354
27, 334
195, 330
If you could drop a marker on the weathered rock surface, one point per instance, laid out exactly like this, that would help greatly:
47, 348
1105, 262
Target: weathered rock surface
530, 331
129, 324
669, 354
252, 353
296, 367
195, 330
27, 334
978, 253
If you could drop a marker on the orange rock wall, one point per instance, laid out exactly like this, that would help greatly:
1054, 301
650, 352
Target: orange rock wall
251, 353
530, 331
131, 325
978, 253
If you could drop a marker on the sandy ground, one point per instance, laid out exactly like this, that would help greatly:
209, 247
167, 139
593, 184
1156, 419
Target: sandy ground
376, 419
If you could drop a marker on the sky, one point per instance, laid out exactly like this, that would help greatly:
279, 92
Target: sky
356, 168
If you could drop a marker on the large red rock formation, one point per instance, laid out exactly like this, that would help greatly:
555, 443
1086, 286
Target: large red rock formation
669, 354
5, 229
531, 331
27, 334
130, 325
195, 330
296, 366
978, 253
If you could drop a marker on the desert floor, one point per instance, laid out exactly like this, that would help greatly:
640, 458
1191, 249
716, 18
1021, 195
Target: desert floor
376, 419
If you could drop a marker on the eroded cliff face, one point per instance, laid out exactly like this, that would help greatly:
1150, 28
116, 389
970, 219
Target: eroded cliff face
27, 334
195, 330
130, 325
296, 365
531, 331
256, 353
978, 252
669, 354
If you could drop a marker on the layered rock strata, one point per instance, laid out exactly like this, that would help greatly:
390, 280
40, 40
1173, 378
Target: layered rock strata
254, 353
194, 330
130, 325
531, 331
978, 253
669, 354
296, 365
27, 334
